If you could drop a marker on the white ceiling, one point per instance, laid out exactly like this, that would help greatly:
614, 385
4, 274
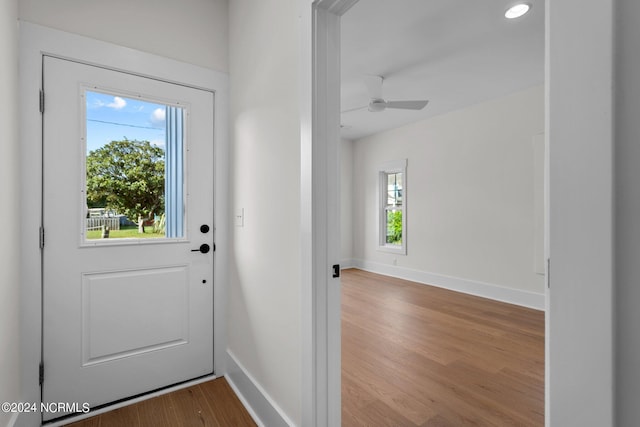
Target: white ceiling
455, 53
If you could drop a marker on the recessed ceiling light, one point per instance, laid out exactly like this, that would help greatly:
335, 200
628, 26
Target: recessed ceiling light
517, 10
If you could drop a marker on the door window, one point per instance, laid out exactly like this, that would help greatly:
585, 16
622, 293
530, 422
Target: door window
134, 168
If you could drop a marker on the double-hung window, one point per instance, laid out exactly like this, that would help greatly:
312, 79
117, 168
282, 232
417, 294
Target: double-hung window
392, 206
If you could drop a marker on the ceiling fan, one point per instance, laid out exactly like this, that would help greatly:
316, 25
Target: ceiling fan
378, 104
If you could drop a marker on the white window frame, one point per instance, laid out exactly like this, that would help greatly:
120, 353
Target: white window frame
178, 205
394, 166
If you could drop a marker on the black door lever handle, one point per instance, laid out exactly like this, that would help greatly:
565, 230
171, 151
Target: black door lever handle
204, 248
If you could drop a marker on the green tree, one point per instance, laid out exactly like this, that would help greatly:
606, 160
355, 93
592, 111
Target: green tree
129, 177
394, 227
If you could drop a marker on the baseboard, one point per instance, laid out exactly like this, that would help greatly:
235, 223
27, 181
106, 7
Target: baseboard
472, 287
346, 263
264, 411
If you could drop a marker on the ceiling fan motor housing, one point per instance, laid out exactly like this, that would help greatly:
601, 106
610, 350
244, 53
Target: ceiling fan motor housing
377, 105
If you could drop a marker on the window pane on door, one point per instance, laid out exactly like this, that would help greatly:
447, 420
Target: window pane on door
134, 167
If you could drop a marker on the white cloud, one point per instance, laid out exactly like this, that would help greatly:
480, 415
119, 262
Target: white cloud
117, 104
96, 104
158, 143
158, 115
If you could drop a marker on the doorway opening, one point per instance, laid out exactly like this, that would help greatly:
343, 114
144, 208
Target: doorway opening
473, 178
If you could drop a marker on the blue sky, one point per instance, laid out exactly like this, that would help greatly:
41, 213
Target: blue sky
112, 118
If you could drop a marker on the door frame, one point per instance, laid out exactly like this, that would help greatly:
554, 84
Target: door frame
320, 209
35, 41
580, 141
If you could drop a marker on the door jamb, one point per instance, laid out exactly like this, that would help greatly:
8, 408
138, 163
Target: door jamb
320, 210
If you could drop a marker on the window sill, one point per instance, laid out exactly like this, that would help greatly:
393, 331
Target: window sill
393, 249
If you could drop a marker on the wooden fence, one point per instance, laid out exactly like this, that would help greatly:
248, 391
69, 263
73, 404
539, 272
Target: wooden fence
96, 223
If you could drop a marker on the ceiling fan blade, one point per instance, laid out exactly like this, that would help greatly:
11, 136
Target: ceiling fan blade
353, 109
374, 86
407, 105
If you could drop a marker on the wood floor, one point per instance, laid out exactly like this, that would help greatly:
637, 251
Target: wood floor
416, 355
412, 355
210, 404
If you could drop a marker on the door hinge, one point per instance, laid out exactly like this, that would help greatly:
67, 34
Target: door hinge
41, 373
41, 237
548, 272
41, 101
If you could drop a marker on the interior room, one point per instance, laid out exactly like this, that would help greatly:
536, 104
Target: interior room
258, 84
473, 166
474, 153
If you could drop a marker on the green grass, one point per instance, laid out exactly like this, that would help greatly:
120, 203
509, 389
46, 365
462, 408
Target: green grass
126, 232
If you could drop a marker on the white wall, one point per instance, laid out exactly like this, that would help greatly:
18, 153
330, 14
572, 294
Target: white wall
192, 31
627, 184
264, 295
581, 168
346, 202
9, 212
470, 192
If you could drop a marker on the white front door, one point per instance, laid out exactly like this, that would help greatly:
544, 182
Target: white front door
132, 312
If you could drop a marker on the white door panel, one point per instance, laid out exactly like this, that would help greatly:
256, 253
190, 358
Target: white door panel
122, 317
163, 323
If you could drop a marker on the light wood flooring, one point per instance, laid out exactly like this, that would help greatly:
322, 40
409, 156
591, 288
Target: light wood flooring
412, 355
416, 355
210, 404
